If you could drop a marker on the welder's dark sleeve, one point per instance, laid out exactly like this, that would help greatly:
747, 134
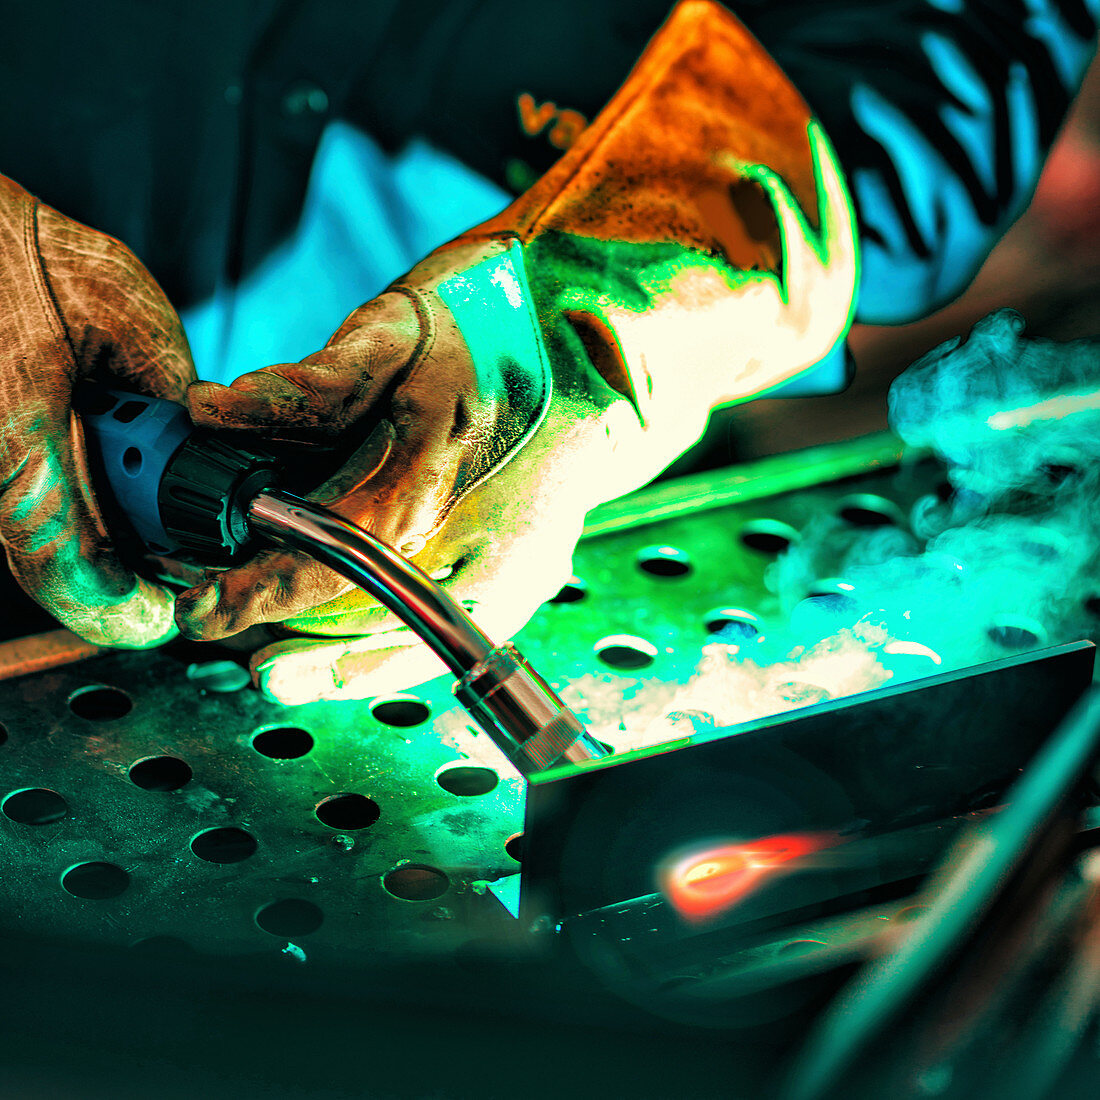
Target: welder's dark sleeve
942, 112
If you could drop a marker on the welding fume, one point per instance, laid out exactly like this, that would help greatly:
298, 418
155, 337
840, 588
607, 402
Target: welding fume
332, 335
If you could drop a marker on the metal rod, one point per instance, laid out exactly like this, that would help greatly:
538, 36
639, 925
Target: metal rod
979, 874
508, 699
369, 563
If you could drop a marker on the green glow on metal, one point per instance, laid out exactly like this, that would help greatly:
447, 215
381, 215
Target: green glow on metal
558, 771
753, 481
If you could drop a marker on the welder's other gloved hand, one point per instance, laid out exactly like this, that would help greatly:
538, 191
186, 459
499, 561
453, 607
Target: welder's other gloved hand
695, 247
74, 301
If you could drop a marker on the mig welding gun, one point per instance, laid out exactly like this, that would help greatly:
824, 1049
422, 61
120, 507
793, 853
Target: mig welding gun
194, 494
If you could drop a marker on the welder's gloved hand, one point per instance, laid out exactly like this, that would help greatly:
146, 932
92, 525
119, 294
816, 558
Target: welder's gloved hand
695, 247
74, 301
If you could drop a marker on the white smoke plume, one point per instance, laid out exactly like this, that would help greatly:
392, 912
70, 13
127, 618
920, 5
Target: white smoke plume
1007, 560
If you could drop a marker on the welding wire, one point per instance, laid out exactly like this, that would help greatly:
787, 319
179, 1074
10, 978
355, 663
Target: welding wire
39, 652
981, 867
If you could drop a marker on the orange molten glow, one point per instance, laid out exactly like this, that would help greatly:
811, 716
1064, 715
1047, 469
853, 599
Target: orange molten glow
710, 881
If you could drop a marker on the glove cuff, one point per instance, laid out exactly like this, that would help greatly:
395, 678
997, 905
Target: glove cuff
481, 307
697, 244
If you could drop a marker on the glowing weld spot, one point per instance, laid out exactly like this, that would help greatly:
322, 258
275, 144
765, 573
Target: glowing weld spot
706, 883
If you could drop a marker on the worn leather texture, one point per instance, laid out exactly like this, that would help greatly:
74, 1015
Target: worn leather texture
73, 302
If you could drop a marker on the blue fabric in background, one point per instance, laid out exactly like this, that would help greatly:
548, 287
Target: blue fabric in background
367, 219
898, 285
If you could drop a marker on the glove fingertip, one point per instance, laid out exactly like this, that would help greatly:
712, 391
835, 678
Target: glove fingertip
260, 400
302, 673
293, 679
141, 620
193, 610
214, 405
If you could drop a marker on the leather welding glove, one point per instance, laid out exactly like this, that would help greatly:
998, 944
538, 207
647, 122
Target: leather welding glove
73, 300
696, 246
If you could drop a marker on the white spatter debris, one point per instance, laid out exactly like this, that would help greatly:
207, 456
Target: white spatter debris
1009, 560
293, 951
